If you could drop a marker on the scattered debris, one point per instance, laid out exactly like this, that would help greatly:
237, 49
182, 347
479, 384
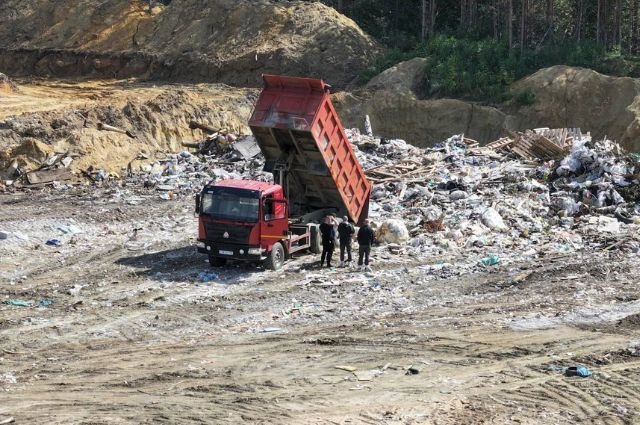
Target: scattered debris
535, 194
107, 127
208, 276
538, 144
347, 368
580, 371
18, 303
6, 85
36, 177
412, 371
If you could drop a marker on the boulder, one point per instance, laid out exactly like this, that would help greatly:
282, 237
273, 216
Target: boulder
392, 231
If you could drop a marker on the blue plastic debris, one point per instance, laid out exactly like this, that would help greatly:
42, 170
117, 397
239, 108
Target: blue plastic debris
581, 371
490, 261
207, 276
19, 303
45, 302
53, 242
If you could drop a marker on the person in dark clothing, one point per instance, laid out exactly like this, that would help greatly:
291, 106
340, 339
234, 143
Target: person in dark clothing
328, 233
345, 233
365, 240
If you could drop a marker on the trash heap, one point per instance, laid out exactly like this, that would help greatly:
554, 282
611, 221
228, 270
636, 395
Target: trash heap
492, 206
536, 194
485, 205
186, 173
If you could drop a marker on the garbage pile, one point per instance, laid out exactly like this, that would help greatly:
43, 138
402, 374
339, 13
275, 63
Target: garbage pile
460, 198
185, 173
487, 205
182, 173
536, 194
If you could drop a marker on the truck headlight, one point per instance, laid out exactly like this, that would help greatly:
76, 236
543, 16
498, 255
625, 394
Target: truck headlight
255, 251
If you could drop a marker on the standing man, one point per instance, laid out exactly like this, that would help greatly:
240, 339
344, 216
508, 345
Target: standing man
345, 233
328, 232
365, 240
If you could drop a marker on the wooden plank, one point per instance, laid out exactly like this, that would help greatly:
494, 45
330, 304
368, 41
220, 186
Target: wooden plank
48, 176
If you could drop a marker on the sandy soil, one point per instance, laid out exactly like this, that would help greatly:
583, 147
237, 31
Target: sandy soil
123, 329
64, 114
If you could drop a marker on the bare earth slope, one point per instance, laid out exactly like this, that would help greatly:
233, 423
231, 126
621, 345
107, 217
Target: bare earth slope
223, 41
64, 115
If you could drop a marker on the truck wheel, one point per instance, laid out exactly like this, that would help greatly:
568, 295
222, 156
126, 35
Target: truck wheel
315, 240
217, 261
275, 260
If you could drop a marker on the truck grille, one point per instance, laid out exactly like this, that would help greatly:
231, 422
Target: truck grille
237, 234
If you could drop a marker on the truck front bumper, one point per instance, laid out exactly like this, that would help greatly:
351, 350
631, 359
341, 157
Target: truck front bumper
230, 251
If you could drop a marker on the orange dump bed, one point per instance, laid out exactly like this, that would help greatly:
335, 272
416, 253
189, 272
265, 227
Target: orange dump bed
294, 122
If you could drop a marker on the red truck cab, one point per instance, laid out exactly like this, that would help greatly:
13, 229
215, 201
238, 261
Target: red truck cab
241, 219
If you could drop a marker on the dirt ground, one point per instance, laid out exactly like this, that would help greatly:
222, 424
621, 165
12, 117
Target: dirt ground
118, 320
121, 327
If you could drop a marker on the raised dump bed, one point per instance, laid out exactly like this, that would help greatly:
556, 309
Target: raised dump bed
305, 145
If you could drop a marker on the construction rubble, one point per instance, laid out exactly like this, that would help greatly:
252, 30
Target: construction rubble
541, 193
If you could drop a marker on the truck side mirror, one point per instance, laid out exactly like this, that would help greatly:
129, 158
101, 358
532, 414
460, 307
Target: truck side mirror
197, 210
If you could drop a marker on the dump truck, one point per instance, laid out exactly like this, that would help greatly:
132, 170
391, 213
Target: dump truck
315, 172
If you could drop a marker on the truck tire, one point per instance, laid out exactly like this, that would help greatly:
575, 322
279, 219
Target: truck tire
217, 261
315, 240
275, 259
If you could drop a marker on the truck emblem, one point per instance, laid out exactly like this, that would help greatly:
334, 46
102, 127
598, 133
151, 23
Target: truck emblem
225, 235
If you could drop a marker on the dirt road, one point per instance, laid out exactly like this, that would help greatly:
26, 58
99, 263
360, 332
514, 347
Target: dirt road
120, 327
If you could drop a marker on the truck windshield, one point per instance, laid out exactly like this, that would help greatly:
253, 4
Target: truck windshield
231, 204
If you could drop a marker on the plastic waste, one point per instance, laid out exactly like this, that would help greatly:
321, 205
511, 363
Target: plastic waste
393, 231
457, 195
207, 276
54, 242
490, 261
580, 371
69, 229
18, 303
492, 219
367, 126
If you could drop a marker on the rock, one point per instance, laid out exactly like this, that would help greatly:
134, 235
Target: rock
457, 195
393, 231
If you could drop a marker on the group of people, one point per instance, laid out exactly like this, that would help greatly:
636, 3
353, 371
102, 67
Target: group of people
330, 230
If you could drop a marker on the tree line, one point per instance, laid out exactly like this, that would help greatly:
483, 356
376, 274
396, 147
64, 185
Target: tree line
477, 48
521, 24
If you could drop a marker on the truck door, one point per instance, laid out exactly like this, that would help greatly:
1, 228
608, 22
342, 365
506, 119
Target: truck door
276, 220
